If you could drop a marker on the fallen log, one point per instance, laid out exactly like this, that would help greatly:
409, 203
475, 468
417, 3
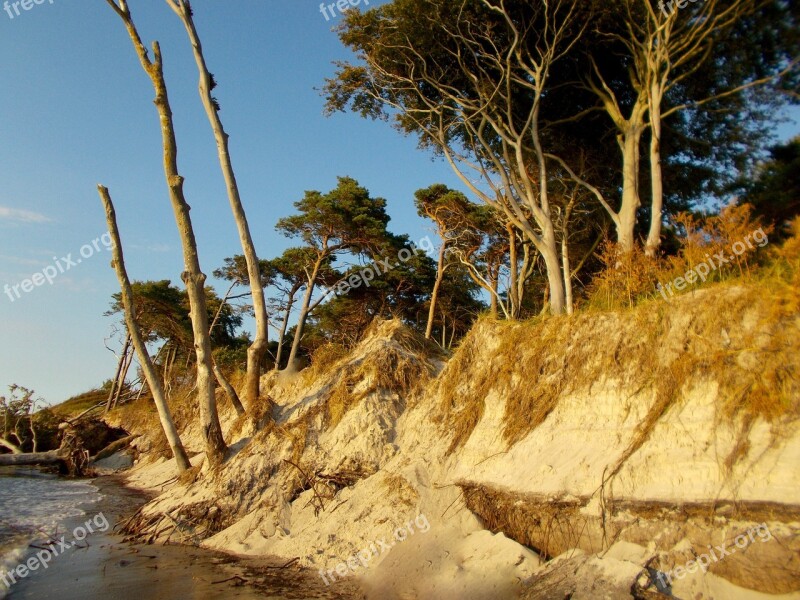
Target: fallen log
53, 457
113, 448
9, 446
71, 456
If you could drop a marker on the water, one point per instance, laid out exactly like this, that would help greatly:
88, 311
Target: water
32, 505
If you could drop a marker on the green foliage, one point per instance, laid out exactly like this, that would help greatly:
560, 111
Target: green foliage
406, 73
457, 307
399, 292
774, 188
162, 313
233, 356
345, 219
235, 270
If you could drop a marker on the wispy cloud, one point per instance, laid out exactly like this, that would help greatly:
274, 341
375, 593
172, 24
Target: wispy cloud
22, 216
19, 260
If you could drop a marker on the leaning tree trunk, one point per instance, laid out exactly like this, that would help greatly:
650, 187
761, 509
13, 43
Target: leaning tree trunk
513, 264
284, 326
123, 376
230, 392
435, 292
554, 273
291, 365
120, 364
118, 262
258, 349
226, 386
192, 276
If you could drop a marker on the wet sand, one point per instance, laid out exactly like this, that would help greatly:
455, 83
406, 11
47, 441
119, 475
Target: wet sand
105, 567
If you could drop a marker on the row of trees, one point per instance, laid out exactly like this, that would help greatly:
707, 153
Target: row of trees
192, 276
540, 107
347, 220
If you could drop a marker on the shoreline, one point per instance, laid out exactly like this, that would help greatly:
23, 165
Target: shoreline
104, 566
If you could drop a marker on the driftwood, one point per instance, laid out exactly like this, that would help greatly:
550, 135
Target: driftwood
70, 456
113, 448
53, 457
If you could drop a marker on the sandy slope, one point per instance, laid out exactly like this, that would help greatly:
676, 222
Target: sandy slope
369, 432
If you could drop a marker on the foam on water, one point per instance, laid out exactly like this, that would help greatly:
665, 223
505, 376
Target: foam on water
33, 505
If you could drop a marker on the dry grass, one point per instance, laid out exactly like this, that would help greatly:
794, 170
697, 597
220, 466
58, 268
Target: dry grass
741, 334
397, 366
744, 338
141, 417
401, 489
630, 278
322, 360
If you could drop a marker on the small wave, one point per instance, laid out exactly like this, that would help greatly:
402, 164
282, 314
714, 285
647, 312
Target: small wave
33, 506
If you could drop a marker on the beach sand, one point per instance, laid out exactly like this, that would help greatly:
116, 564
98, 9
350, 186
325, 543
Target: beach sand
105, 567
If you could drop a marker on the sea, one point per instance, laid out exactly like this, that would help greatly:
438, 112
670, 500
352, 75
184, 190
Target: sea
33, 505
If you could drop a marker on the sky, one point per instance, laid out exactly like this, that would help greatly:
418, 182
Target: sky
76, 110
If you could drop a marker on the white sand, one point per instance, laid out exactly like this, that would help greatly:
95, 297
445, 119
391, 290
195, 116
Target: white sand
565, 457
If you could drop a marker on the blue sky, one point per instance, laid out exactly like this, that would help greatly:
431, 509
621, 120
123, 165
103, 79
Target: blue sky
76, 110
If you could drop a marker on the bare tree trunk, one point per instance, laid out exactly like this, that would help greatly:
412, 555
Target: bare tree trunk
122, 377
493, 297
168, 362
567, 274
258, 349
284, 326
629, 134
122, 358
630, 142
548, 238
301, 319
192, 276
553, 264
34, 436
656, 177
526, 269
181, 459
513, 296
435, 291
38, 458
222, 304
233, 397
565, 254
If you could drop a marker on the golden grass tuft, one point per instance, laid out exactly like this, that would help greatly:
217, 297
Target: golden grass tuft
322, 360
397, 365
141, 417
401, 489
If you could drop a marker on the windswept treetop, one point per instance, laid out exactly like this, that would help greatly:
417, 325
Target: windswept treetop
345, 219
